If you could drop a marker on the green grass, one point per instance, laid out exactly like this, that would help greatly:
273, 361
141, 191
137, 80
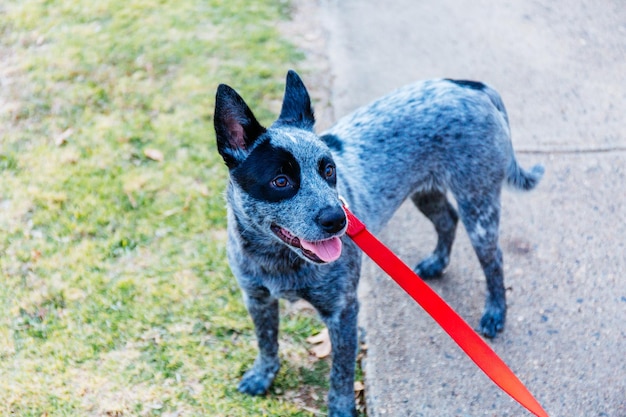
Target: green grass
115, 295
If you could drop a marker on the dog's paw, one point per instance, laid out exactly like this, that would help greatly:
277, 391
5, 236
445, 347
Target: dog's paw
258, 379
431, 267
254, 384
492, 323
342, 413
341, 406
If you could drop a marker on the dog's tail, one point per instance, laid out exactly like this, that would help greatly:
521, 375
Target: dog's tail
516, 175
497, 102
522, 179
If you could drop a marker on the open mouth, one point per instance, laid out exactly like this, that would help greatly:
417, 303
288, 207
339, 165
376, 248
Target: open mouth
319, 251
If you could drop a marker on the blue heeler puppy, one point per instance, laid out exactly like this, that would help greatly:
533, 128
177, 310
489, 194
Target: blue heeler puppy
286, 223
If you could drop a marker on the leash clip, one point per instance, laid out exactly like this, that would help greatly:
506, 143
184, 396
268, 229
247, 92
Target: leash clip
344, 202
355, 226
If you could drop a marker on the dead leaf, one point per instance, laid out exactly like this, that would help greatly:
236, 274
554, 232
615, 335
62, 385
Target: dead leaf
172, 212
63, 137
318, 338
322, 347
358, 386
202, 189
312, 410
301, 306
131, 199
35, 255
187, 202
154, 154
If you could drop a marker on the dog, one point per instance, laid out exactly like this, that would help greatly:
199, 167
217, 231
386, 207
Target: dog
286, 222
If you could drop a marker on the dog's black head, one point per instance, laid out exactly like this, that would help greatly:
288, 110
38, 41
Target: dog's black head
283, 178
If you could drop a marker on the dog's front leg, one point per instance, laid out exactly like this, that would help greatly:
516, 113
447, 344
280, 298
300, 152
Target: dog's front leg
342, 328
263, 309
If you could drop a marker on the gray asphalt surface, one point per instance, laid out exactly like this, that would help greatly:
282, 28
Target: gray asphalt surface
561, 69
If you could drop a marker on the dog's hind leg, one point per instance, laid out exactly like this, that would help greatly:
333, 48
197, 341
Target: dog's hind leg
481, 217
442, 214
263, 309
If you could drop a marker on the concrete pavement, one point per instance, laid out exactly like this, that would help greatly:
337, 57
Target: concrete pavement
561, 69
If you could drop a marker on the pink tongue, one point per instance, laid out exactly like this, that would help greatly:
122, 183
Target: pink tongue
327, 250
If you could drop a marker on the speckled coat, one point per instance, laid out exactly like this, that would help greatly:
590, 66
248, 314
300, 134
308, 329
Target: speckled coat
286, 224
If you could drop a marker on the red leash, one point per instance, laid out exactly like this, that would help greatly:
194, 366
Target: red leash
471, 343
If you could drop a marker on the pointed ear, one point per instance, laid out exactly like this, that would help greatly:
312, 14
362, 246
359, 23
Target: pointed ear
296, 110
236, 128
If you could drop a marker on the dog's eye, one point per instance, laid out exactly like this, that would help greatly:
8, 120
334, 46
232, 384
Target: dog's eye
281, 181
329, 171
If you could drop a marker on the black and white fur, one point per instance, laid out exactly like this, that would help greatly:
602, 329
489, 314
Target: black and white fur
286, 223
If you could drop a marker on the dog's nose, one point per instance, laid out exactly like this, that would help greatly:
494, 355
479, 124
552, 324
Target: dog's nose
332, 219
